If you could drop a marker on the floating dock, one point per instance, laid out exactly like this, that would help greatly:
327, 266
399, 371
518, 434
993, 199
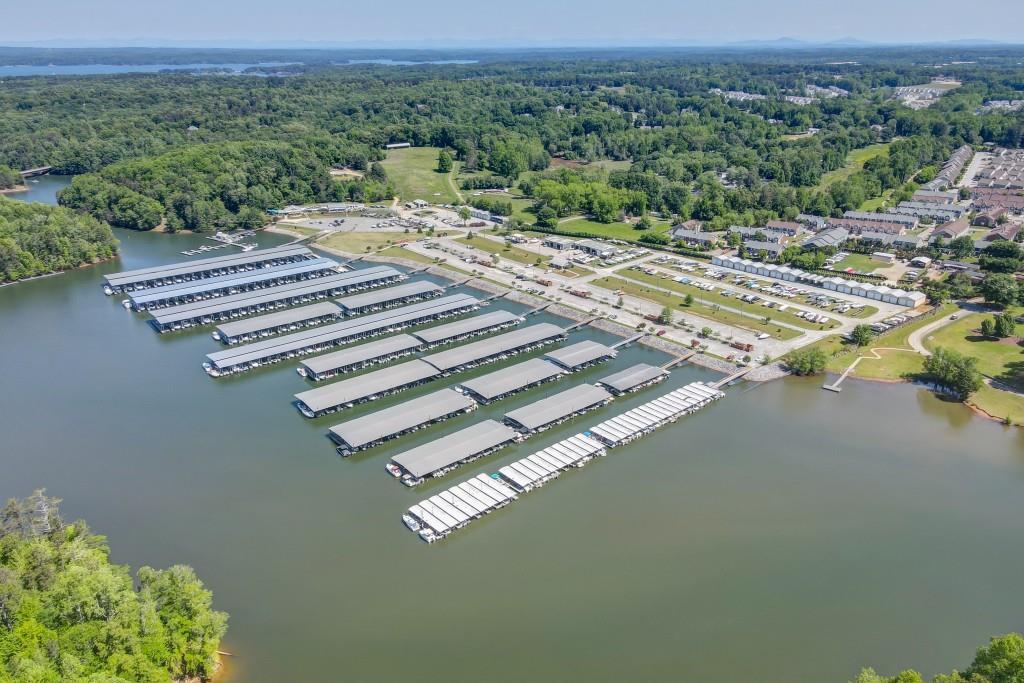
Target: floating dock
391, 297
171, 273
368, 387
470, 327
581, 355
496, 348
288, 320
438, 457
272, 298
355, 358
370, 430
642, 420
634, 378
236, 283
553, 410
511, 380
250, 356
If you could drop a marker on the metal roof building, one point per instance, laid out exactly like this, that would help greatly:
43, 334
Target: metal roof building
348, 392
369, 430
493, 348
507, 381
258, 301
324, 338
208, 288
580, 355
141, 278
389, 297
280, 321
436, 457
553, 409
632, 378
328, 365
460, 329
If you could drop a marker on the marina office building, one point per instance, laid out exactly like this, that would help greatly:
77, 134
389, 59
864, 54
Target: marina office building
263, 300
248, 356
171, 273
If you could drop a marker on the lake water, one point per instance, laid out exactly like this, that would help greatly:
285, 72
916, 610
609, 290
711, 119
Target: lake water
783, 535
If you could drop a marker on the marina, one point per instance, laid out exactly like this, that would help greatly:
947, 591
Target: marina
391, 297
173, 273
185, 316
581, 355
235, 283
565, 405
279, 322
375, 428
251, 356
320, 368
642, 420
438, 457
452, 332
503, 383
633, 378
369, 387
496, 348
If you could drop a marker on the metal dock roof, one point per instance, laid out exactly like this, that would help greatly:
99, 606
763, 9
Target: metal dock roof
512, 378
557, 407
363, 386
360, 354
198, 309
400, 418
492, 346
581, 353
277, 319
238, 279
127, 277
345, 329
460, 328
454, 447
632, 377
382, 297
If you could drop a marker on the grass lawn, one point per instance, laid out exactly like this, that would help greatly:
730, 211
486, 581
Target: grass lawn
1001, 360
411, 170
506, 252
862, 263
697, 310
1000, 404
361, 242
716, 297
408, 254
613, 231
855, 161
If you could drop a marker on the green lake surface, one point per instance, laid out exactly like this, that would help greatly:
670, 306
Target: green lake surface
783, 535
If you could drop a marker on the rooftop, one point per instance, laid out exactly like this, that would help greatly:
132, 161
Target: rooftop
355, 355
382, 297
485, 348
277, 319
459, 328
363, 386
632, 377
188, 267
581, 353
559, 406
512, 378
454, 447
373, 427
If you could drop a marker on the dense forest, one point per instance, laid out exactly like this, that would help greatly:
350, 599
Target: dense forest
68, 614
36, 239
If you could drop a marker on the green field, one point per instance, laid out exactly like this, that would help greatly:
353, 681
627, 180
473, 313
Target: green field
612, 231
505, 251
716, 297
360, 242
1000, 359
855, 161
408, 254
697, 310
862, 263
412, 173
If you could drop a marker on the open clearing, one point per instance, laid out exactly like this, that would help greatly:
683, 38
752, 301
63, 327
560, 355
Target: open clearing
612, 231
412, 172
855, 161
361, 242
505, 251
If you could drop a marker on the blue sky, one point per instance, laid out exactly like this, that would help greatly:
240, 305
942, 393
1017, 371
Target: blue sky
468, 22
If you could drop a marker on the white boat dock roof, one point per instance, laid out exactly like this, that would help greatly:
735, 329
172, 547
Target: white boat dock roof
368, 429
243, 278
277, 319
362, 353
461, 328
346, 329
361, 387
494, 346
455, 447
655, 413
632, 377
321, 285
581, 353
129, 277
512, 378
383, 297
557, 407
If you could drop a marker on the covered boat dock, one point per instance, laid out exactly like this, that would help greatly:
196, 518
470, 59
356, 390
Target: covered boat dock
391, 297
288, 320
644, 419
470, 327
438, 457
547, 412
171, 273
454, 508
384, 425
368, 387
495, 348
633, 378
354, 358
502, 383
581, 355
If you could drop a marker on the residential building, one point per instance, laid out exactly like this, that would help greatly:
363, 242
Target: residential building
990, 217
950, 231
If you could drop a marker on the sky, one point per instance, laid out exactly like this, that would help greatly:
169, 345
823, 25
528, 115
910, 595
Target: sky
454, 23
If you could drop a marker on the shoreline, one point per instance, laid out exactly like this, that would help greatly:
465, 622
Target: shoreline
15, 189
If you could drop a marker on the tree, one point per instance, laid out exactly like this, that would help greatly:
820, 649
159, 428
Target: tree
464, 214
688, 299
862, 335
999, 289
987, 328
807, 362
956, 373
962, 246
444, 161
666, 316
644, 223
1004, 325
706, 332
377, 173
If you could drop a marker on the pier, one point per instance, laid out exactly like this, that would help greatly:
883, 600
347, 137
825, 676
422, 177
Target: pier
630, 340
732, 378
